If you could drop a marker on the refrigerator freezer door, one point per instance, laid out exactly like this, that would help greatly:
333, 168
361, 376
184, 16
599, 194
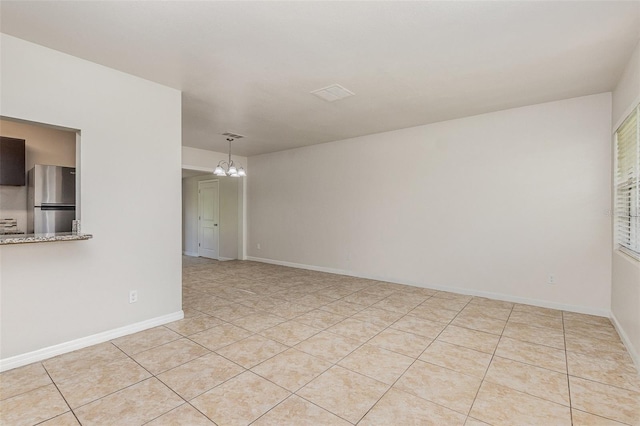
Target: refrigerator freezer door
53, 219
54, 185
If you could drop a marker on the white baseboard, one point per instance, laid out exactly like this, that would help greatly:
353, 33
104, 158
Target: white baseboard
461, 290
224, 259
83, 342
190, 253
627, 342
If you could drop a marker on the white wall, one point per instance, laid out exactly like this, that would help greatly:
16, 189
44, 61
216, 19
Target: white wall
490, 204
43, 145
53, 293
625, 295
228, 188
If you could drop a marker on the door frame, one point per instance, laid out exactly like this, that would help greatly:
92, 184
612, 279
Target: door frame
217, 209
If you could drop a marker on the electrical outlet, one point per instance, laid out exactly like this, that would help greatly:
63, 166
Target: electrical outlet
551, 279
258, 246
133, 296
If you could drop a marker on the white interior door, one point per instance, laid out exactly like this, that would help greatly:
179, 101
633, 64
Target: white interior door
208, 229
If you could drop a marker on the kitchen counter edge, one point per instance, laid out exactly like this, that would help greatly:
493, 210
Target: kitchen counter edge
42, 238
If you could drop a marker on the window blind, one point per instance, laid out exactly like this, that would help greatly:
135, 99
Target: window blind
627, 182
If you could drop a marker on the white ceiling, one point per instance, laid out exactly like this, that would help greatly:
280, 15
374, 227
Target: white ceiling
248, 67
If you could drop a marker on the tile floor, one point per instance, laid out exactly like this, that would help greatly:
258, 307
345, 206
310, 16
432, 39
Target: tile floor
269, 345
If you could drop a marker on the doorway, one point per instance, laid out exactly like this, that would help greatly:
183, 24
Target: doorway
208, 229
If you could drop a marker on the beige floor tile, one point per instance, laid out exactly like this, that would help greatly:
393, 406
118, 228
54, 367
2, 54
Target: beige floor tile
292, 369
440, 385
480, 323
295, 411
82, 360
290, 333
531, 353
329, 346
605, 368
401, 408
433, 313
536, 381
449, 295
33, 407
252, 351
319, 319
290, 310
472, 339
538, 335
496, 312
364, 298
137, 404
377, 363
344, 393
401, 304
401, 342
258, 322
23, 379
342, 307
241, 400
66, 419
377, 316
451, 304
420, 326
207, 303
491, 303
231, 312
198, 376
590, 319
592, 345
613, 403
144, 340
220, 336
580, 418
191, 313
354, 329
475, 422
604, 325
193, 325
537, 320
528, 376
457, 358
96, 383
183, 415
169, 355
314, 300
503, 406
337, 291
607, 334
554, 313
378, 288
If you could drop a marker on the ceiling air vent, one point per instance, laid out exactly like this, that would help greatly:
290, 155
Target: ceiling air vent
332, 93
232, 135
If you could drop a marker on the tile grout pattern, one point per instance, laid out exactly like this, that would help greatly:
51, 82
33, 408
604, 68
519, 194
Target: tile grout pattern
270, 345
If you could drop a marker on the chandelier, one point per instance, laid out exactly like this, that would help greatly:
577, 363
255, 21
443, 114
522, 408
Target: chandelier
228, 168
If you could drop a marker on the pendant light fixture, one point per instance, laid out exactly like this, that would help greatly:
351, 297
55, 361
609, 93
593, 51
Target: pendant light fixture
225, 168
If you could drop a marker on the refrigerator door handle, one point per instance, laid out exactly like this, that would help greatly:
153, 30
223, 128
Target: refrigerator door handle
57, 207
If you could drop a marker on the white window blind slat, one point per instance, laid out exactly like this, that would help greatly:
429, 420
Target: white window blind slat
627, 184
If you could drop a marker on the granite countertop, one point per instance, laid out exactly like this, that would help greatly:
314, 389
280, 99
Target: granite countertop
42, 238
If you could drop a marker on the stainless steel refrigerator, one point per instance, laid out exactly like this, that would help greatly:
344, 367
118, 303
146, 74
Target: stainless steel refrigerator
51, 199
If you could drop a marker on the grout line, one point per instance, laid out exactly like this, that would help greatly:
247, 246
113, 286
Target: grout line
61, 394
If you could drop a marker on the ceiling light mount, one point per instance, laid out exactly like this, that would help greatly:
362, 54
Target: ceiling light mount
228, 168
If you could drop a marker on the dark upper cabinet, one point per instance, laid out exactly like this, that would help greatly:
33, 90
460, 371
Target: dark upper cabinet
12, 161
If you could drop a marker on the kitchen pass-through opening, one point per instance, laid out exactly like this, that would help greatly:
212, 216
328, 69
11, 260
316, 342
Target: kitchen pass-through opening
40, 191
